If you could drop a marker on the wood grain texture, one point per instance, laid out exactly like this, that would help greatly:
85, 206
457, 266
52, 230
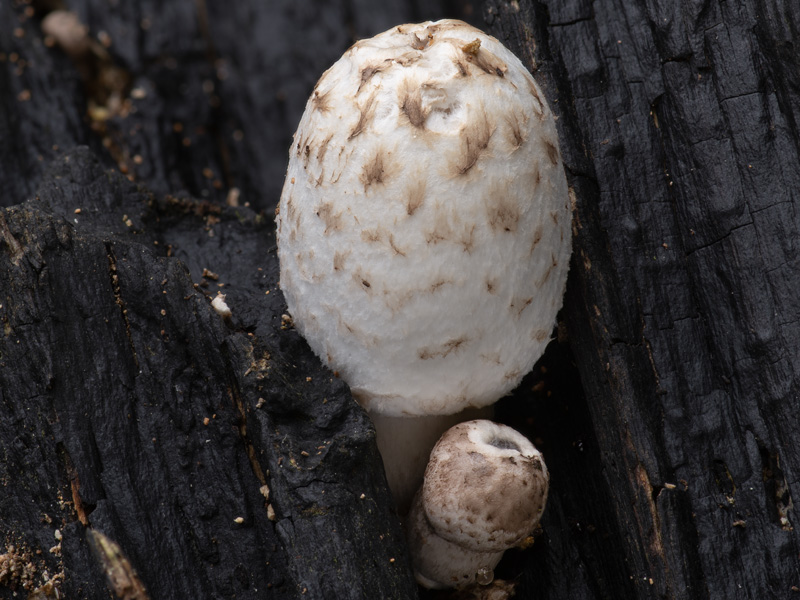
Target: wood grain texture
220, 457
678, 127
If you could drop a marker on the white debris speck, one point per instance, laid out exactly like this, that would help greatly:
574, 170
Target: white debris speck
220, 306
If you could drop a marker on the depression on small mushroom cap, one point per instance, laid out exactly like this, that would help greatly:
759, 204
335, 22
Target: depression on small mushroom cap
424, 226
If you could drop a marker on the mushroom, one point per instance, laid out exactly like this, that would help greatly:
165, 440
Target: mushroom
485, 490
424, 231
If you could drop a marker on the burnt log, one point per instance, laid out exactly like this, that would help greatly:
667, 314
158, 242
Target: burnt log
224, 460
151, 446
678, 128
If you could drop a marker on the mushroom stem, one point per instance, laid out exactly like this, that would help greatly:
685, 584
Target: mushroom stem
405, 443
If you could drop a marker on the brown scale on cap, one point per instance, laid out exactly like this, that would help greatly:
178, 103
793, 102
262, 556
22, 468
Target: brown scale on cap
467, 238
366, 112
339, 257
330, 216
441, 230
323, 148
290, 213
376, 170
483, 59
550, 268
518, 305
444, 350
436, 285
515, 124
474, 140
411, 106
535, 93
552, 151
537, 237
541, 335
373, 235
415, 196
394, 246
503, 212
321, 102
492, 358
380, 235
420, 43
406, 59
367, 73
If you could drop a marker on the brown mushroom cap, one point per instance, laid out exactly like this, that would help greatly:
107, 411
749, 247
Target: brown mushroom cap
485, 486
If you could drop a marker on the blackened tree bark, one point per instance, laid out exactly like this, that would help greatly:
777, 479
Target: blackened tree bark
226, 462
218, 455
679, 129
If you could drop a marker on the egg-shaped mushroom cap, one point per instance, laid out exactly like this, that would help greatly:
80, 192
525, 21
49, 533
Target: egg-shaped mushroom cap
485, 486
424, 228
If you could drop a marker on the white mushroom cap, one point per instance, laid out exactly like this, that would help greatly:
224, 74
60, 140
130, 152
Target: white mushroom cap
485, 486
485, 490
424, 226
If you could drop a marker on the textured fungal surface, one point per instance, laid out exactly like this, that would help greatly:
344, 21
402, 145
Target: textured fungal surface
485, 486
424, 225
439, 563
485, 490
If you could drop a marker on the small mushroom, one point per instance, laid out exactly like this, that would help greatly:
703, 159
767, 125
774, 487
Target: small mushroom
484, 491
424, 231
